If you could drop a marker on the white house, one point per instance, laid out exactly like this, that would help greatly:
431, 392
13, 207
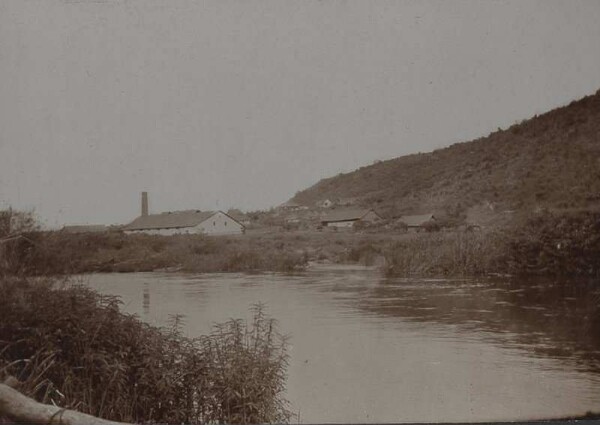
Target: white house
183, 222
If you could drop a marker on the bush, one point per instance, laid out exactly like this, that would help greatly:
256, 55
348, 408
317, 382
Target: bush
432, 226
71, 346
365, 253
566, 243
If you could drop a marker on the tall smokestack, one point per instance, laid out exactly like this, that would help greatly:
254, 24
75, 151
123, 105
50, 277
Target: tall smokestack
144, 204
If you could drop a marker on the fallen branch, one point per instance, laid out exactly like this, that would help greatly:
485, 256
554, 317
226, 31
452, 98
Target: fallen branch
20, 408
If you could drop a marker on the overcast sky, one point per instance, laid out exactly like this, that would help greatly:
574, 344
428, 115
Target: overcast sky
224, 104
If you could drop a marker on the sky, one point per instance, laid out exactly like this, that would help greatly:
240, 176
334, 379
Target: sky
218, 104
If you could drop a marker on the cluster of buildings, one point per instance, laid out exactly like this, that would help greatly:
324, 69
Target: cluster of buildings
339, 214
351, 218
342, 213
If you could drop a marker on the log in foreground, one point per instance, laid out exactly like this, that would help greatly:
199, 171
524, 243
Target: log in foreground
20, 408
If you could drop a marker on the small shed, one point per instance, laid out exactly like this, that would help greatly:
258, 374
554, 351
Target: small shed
416, 222
348, 217
292, 219
291, 206
324, 203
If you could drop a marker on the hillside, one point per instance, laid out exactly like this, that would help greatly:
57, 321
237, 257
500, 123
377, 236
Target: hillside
551, 160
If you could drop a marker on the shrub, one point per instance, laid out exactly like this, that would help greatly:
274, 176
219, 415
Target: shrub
566, 243
71, 346
365, 253
432, 226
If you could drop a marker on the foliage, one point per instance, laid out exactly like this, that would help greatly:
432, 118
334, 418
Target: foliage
52, 253
70, 346
365, 253
551, 160
559, 243
14, 222
247, 367
565, 243
15, 246
458, 253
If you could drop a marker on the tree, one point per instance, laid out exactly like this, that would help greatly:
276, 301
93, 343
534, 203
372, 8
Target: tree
14, 223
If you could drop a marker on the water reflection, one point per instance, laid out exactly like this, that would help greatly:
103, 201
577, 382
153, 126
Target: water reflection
369, 349
554, 318
146, 299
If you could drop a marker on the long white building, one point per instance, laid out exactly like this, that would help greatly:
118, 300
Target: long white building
183, 222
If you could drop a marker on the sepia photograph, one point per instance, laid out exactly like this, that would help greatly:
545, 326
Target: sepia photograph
299, 212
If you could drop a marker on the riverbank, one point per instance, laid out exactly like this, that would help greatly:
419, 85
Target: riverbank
52, 253
566, 244
72, 347
545, 243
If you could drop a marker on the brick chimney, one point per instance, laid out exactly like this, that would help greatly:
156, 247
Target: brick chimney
144, 204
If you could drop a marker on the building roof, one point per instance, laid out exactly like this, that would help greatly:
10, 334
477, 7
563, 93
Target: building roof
170, 220
85, 228
416, 220
290, 204
345, 215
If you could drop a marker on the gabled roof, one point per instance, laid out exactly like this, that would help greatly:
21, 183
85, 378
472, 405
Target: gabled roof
85, 228
346, 215
416, 220
170, 220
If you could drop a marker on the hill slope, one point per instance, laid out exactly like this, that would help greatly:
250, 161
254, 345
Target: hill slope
551, 160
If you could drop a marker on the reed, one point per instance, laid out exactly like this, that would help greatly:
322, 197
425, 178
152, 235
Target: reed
443, 254
73, 347
58, 253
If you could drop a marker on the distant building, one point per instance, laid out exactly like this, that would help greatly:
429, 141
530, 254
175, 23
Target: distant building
292, 219
292, 206
347, 218
85, 228
346, 201
416, 222
325, 203
183, 222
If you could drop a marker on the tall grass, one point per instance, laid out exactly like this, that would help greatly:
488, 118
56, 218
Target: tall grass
458, 253
52, 253
565, 243
71, 346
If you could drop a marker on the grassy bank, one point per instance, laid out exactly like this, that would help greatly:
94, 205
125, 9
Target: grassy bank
70, 346
565, 243
44, 253
50, 253
559, 244
445, 254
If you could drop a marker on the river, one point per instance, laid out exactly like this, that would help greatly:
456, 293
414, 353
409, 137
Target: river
365, 348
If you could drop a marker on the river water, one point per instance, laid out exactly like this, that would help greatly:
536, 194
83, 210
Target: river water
365, 348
